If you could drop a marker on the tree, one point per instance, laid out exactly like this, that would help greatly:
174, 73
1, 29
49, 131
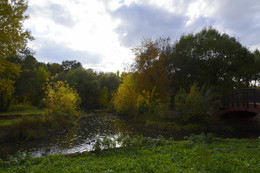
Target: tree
54, 68
62, 100
109, 80
103, 99
12, 40
256, 67
149, 69
13, 37
70, 65
86, 83
125, 99
210, 58
8, 72
195, 106
28, 87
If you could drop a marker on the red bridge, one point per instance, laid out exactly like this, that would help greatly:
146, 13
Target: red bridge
240, 104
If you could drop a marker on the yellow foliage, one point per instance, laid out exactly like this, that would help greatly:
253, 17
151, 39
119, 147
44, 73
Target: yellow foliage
150, 70
8, 72
150, 104
61, 99
103, 99
125, 99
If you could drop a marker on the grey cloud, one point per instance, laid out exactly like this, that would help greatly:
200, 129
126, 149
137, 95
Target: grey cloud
51, 51
240, 17
56, 12
139, 20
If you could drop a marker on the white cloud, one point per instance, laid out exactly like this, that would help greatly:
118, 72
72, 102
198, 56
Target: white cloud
82, 26
106, 30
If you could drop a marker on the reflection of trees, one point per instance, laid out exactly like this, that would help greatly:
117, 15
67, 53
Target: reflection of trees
124, 127
68, 139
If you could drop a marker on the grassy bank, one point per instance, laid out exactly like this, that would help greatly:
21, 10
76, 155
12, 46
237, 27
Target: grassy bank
198, 154
25, 122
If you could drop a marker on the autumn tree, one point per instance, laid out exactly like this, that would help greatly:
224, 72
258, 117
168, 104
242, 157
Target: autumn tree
125, 99
62, 100
103, 99
149, 69
12, 40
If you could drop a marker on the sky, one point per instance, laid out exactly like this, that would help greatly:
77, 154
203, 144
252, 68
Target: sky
101, 33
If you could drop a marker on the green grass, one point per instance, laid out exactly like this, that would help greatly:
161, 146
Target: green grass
4, 123
14, 114
224, 155
24, 112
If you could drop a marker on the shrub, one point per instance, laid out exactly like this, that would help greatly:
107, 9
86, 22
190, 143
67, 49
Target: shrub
196, 106
98, 145
203, 138
151, 106
62, 100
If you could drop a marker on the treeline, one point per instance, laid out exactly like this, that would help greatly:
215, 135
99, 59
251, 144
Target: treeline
181, 81
94, 88
176, 82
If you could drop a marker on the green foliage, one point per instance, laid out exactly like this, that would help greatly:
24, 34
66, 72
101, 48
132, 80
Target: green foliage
103, 99
70, 65
98, 145
54, 68
150, 105
104, 143
29, 85
22, 107
210, 58
125, 98
8, 72
25, 128
62, 100
109, 80
87, 85
203, 138
13, 39
195, 106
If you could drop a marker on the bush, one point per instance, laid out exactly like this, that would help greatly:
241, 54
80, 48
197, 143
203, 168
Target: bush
203, 138
62, 100
196, 106
151, 106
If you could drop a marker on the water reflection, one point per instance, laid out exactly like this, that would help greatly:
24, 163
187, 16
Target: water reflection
83, 135
79, 138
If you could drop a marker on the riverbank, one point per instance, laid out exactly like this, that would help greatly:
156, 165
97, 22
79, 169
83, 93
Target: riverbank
198, 154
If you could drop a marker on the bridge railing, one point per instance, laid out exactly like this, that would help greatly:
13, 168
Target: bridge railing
245, 96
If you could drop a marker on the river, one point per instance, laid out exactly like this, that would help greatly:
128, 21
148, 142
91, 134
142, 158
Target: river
79, 138
83, 135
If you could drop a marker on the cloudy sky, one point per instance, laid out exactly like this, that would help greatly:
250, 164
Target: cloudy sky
101, 33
